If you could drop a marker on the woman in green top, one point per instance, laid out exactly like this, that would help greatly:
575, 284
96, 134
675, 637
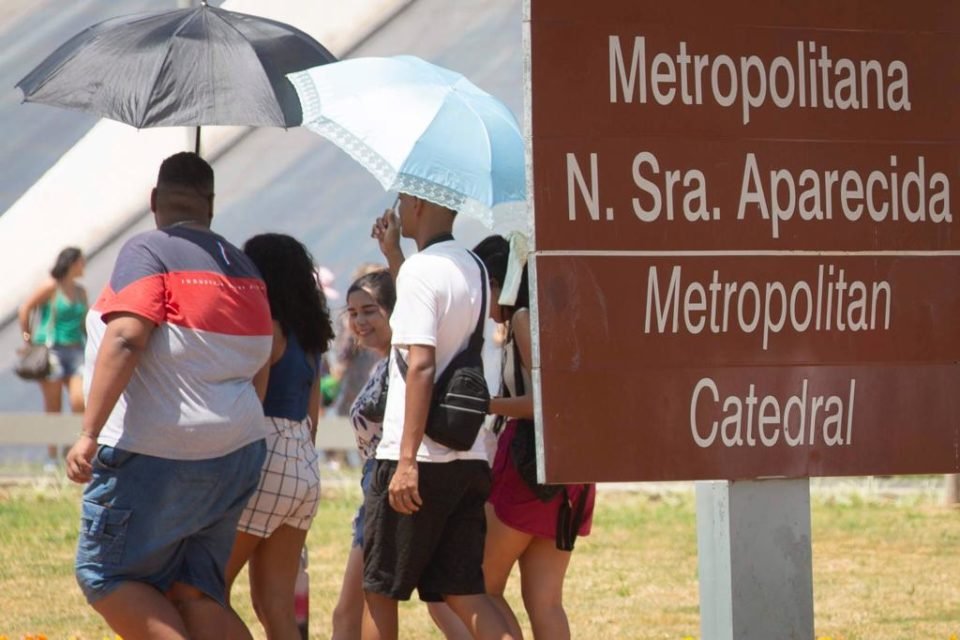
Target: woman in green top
62, 304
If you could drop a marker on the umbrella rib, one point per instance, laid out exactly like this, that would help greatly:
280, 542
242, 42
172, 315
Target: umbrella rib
486, 132
50, 76
166, 56
216, 12
213, 11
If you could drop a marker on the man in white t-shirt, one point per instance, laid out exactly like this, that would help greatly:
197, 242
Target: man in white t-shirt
425, 523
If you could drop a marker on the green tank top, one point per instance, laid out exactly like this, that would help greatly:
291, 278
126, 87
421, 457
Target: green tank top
68, 324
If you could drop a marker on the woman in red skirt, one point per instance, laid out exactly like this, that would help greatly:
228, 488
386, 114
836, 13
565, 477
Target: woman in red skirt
526, 523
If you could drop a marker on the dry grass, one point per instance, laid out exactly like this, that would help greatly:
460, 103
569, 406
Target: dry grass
883, 569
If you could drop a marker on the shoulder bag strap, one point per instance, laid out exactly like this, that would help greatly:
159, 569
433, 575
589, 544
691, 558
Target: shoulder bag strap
517, 367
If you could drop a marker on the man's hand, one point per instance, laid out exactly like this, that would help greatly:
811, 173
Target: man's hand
404, 488
386, 231
81, 453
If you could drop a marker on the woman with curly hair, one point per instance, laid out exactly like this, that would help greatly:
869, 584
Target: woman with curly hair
274, 524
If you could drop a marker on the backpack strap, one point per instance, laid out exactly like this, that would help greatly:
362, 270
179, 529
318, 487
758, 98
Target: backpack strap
476, 338
517, 367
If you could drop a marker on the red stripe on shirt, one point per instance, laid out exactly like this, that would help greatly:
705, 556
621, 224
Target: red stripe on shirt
143, 297
199, 300
214, 302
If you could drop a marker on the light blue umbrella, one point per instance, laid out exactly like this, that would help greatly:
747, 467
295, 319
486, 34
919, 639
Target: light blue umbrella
422, 130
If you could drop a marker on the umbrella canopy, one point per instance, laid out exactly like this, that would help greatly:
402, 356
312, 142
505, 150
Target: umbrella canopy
193, 67
423, 130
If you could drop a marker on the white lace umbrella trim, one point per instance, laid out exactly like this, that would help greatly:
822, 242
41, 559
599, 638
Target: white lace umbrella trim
503, 217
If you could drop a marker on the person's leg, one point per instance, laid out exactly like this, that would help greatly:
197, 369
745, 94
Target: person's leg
348, 614
448, 622
223, 488
243, 547
52, 395
379, 617
542, 570
75, 393
137, 610
503, 546
481, 616
456, 569
52, 403
204, 617
396, 547
273, 575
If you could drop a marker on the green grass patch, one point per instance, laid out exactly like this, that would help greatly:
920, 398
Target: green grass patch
884, 568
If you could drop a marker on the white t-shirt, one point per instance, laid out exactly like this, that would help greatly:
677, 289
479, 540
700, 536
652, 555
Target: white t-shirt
438, 304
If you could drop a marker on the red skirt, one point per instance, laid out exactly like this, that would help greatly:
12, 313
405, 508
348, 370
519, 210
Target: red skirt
517, 506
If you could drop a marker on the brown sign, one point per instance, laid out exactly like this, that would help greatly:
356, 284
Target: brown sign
745, 259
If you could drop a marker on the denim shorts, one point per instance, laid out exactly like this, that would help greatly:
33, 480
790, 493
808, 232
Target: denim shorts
365, 479
160, 521
65, 362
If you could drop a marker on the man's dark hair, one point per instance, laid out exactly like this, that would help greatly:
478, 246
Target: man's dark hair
186, 169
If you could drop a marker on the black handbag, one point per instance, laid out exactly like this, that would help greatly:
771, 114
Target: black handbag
523, 452
373, 404
33, 362
523, 447
570, 512
461, 398
570, 517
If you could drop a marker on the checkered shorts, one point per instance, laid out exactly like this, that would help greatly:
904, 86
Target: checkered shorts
289, 489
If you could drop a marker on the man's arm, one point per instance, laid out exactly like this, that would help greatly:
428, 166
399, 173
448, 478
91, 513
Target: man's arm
520, 406
125, 338
313, 409
421, 368
42, 294
261, 379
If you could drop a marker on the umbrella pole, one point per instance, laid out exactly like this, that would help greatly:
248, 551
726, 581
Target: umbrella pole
196, 141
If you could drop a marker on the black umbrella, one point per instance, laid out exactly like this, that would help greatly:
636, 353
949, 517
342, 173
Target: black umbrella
189, 67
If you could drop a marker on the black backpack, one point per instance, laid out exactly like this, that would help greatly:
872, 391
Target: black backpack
523, 452
461, 398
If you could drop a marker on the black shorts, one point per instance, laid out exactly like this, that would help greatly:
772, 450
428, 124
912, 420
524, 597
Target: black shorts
438, 549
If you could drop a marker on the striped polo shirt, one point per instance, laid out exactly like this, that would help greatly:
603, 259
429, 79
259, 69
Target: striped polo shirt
191, 395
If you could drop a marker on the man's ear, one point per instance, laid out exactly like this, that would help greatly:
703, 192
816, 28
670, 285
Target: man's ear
210, 204
153, 200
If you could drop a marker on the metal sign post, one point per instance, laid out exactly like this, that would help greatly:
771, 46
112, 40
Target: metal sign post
745, 261
755, 560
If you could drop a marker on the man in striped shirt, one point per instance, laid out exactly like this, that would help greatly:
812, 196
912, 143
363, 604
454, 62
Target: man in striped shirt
172, 440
